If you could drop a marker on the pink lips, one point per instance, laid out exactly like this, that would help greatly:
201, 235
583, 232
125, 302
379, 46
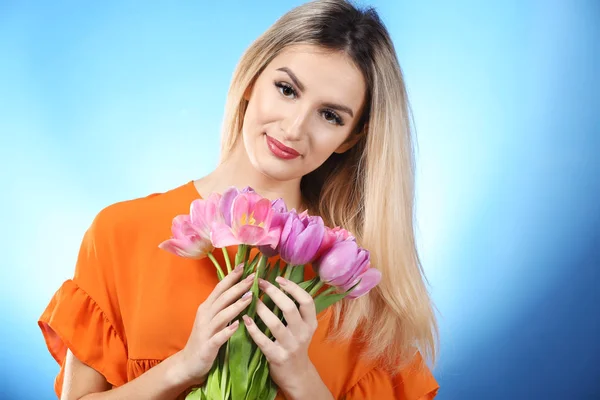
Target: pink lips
280, 150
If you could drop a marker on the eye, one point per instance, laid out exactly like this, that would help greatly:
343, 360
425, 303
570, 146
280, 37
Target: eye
286, 89
331, 117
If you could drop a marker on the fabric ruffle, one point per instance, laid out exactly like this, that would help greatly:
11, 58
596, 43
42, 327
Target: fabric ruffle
72, 320
411, 384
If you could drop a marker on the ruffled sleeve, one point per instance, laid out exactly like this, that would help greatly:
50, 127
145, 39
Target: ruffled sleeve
83, 315
415, 382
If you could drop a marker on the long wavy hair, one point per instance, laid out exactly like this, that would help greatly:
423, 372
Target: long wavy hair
370, 188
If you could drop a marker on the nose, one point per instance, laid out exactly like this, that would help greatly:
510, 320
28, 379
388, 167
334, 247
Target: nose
294, 124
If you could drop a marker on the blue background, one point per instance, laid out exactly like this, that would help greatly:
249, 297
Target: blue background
101, 102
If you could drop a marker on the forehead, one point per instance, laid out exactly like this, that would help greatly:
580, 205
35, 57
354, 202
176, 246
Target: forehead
326, 75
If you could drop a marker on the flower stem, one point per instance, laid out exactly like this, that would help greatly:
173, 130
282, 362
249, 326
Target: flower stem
288, 271
325, 292
259, 269
316, 288
225, 371
240, 257
227, 261
220, 273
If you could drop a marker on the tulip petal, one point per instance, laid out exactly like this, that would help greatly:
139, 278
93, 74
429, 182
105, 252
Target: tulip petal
279, 206
252, 235
204, 212
338, 261
307, 244
361, 264
226, 204
240, 212
287, 227
221, 236
329, 239
186, 249
368, 281
262, 211
272, 238
181, 227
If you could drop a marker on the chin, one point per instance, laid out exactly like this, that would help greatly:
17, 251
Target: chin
274, 171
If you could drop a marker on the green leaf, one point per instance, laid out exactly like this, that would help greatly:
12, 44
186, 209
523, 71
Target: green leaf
240, 351
195, 394
273, 273
213, 387
323, 302
261, 325
228, 391
225, 371
264, 271
258, 378
250, 266
269, 391
306, 285
297, 274
277, 267
264, 375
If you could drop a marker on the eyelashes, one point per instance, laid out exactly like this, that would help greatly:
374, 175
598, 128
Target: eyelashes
285, 87
289, 92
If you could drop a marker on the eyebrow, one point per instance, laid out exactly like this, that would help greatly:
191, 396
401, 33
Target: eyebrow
297, 82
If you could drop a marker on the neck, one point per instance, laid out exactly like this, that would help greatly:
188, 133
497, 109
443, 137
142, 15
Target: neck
238, 171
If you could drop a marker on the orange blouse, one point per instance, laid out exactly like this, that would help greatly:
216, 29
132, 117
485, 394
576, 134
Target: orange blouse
130, 305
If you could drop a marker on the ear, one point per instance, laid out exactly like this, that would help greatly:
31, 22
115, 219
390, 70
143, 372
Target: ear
352, 140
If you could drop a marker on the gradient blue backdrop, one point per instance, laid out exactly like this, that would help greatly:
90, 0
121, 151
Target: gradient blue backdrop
101, 102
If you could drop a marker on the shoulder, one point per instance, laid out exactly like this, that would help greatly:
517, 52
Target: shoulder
128, 219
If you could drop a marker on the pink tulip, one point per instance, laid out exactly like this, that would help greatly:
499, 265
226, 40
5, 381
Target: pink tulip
186, 241
301, 238
368, 280
204, 212
342, 263
332, 236
226, 202
280, 214
245, 218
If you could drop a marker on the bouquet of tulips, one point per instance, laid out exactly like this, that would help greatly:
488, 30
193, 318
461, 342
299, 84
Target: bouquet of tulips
246, 219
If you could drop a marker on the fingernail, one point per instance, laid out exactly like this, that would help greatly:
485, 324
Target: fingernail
234, 325
239, 267
247, 295
262, 283
247, 320
250, 277
281, 280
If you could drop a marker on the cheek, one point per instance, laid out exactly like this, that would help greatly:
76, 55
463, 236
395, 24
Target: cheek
322, 144
266, 107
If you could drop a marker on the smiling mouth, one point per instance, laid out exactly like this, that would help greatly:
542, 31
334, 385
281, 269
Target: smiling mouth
280, 150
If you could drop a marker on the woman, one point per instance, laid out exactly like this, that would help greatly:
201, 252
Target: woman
317, 114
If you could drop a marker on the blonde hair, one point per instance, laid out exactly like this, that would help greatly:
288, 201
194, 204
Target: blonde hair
369, 189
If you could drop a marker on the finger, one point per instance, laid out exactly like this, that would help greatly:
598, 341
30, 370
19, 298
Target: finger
223, 317
285, 304
267, 346
277, 328
219, 338
232, 294
225, 283
308, 310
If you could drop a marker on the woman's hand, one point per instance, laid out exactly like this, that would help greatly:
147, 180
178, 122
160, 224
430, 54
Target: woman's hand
289, 364
210, 331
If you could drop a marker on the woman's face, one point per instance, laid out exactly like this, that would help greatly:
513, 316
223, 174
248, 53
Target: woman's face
302, 108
